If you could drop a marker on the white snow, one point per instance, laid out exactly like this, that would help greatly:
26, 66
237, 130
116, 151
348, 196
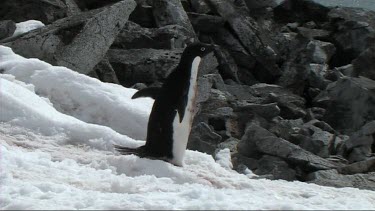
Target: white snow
26, 26
52, 158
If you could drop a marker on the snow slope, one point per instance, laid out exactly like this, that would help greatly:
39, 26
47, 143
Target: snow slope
56, 133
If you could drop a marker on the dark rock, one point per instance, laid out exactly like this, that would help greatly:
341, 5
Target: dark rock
246, 29
354, 32
286, 129
206, 23
301, 10
359, 167
275, 166
228, 41
347, 70
307, 66
171, 12
203, 139
247, 146
143, 65
7, 28
133, 36
143, 15
208, 65
311, 34
230, 143
364, 64
74, 42
46, 11
359, 145
240, 162
315, 113
260, 8
320, 143
216, 80
333, 178
227, 66
242, 92
72, 7
85, 5
139, 86
200, 6
349, 103
291, 105
267, 111
258, 139
105, 72
321, 52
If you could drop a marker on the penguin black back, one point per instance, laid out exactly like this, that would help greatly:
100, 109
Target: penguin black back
173, 110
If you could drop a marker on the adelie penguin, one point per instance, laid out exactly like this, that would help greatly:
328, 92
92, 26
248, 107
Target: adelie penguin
173, 111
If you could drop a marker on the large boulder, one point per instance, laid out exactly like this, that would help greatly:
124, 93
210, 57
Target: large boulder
143, 65
171, 12
7, 28
277, 167
349, 103
259, 140
46, 11
78, 42
247, 31
354, 32
301, 10
360, 144
133, 36
333, 178
364, 64
203, 139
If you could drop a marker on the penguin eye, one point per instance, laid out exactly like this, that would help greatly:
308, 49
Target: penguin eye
203, 49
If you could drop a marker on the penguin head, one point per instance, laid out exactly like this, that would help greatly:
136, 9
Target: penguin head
198, 49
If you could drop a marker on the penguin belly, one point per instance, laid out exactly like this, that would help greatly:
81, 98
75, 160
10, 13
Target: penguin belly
181, 130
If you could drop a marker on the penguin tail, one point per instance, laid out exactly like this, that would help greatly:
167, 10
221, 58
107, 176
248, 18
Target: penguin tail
140, 151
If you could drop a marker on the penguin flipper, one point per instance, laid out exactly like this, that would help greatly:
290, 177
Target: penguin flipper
152, 92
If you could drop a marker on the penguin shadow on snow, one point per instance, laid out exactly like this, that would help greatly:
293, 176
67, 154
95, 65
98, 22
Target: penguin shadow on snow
172, 114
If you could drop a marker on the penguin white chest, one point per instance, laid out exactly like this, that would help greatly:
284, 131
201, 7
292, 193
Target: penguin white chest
181, 130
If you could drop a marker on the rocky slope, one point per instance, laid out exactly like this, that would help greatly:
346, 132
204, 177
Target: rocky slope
290, 90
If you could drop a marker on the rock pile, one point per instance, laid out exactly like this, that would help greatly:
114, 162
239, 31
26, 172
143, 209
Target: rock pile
290, 90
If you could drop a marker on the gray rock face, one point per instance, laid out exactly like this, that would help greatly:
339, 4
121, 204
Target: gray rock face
333, 178
349, 103
105, 72
7, 28
46, 11
171, 12
364, 64
291, 105
133, 36
246, 29
202, 138
361, 142
143, 65
79, 42
359, 167
301, 10
278, 168
258, 139
355, 31
206, 23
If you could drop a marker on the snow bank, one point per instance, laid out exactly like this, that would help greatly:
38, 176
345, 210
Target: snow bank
27, 26
81, 96
52, 160
36, 174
